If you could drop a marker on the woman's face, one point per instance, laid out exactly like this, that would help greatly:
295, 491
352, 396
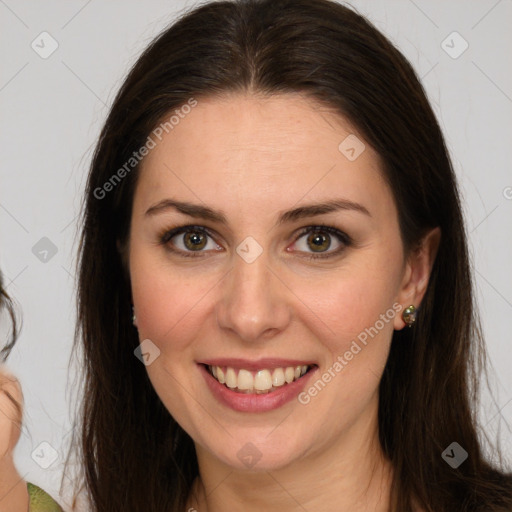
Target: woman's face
252, 286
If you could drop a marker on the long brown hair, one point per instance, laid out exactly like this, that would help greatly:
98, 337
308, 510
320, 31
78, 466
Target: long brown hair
7, 304
133, 453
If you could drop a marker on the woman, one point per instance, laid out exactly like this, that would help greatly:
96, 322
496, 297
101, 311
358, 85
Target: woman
272, 198
275, 304
16, 495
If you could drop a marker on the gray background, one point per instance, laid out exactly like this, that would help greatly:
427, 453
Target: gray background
51, 113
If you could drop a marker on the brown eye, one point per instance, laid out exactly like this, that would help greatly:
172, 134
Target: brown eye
319, 242
189, 241
195, 240
322, 241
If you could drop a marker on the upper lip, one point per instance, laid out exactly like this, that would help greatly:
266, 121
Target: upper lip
247, 364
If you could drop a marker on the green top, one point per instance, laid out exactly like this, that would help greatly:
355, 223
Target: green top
39, 501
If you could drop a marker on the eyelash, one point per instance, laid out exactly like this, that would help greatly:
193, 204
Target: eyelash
167, 235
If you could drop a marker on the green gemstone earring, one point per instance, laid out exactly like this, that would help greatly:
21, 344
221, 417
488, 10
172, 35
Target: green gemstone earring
409, 315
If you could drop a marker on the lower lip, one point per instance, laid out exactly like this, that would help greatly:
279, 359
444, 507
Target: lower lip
253, 402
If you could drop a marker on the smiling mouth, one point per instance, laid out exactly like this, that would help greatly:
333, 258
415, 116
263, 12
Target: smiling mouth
257, 382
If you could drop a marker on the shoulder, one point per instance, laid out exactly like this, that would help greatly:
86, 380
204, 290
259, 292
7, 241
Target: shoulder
40, 501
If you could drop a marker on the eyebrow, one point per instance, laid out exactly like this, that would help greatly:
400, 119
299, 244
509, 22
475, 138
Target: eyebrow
207, 213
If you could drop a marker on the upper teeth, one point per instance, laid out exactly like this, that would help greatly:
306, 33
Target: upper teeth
261, 381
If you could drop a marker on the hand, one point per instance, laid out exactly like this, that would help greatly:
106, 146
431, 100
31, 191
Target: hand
13, 489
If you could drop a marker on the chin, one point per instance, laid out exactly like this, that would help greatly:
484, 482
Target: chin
261, 452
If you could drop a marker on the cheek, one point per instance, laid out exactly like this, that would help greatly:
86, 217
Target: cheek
353, 320
167, 301
352, 300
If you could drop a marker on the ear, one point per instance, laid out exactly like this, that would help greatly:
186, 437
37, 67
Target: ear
11, 411
417, 273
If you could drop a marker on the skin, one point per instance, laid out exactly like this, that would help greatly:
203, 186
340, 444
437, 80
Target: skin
13, 489
252, 158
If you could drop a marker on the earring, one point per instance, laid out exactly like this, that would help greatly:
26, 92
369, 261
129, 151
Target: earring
134, 318
409, 315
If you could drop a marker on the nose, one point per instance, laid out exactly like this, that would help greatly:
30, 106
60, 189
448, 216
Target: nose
254, 302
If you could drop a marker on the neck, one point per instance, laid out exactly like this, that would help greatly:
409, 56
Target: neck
350, 475
13, 488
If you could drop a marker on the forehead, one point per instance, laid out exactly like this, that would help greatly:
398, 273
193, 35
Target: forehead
261, 151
